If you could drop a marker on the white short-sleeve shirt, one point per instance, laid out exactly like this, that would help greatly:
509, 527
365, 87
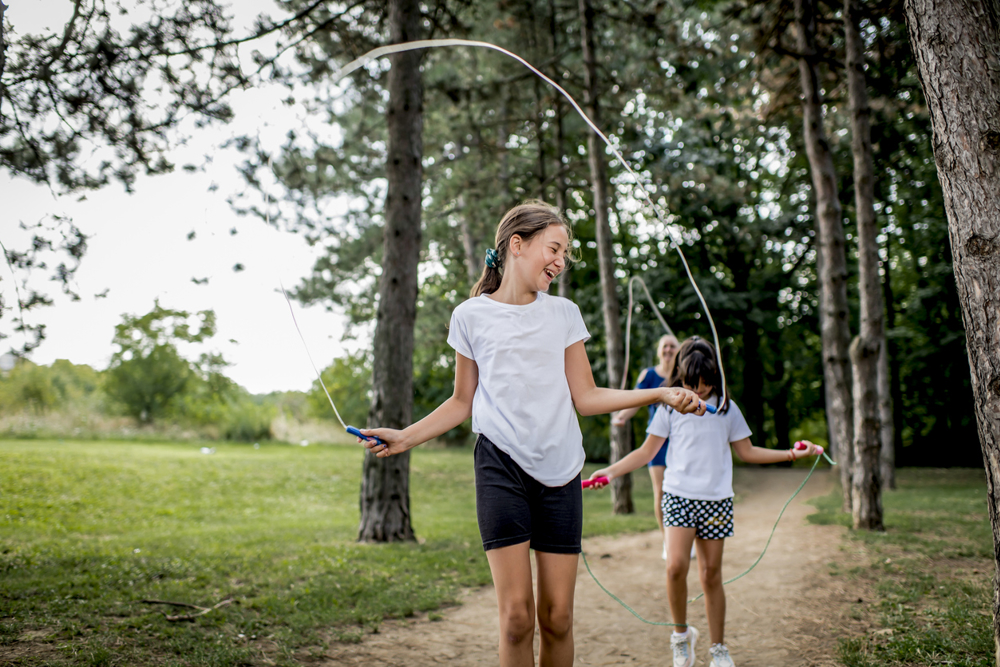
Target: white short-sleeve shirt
523, 403
699, 461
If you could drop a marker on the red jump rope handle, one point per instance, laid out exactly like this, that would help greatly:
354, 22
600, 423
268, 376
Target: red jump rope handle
801, 445
590, 482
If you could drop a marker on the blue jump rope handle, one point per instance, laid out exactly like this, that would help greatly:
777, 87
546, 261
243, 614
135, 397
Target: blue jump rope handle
354, 431
710, 408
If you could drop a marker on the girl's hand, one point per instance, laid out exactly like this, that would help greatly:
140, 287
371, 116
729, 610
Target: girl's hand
683, 400
603, 472
809, 450
617, 420
393, 441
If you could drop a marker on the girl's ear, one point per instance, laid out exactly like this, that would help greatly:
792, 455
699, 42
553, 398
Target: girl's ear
515, 244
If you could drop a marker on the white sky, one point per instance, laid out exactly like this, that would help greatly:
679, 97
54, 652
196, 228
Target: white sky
138, 248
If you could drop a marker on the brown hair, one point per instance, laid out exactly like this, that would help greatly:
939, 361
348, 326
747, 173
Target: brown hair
524, 220
696, 360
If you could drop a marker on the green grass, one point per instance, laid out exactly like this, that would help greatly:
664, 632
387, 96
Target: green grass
89, 529
931, 571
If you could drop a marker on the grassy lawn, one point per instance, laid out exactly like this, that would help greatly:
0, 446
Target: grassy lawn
931, 573
90, 529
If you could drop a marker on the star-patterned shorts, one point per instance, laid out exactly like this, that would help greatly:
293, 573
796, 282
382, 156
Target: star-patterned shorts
711, 519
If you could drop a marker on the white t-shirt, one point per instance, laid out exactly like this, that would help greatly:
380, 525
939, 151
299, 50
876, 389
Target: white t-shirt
522, 403
699, 462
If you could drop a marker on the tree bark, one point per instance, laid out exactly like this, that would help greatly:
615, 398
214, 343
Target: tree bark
957, 47
621, 487
895, 384
868, 348
385, 483
3, 48
832, 259
887, 457
566, 277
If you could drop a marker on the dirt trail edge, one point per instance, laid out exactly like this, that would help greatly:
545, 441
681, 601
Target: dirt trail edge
781, 614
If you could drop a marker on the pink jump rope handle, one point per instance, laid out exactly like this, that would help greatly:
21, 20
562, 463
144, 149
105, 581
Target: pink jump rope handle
801, 445
590, 482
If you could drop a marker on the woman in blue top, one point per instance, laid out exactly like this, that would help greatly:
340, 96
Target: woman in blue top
650, 378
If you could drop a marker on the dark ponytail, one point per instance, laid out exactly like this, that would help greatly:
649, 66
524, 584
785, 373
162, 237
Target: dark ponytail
524, 220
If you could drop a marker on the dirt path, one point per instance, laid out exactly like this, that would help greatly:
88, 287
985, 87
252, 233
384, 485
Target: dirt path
781, 614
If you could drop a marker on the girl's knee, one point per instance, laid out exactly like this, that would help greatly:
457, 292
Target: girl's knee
517, 621
677, 569
556, 621
710, 574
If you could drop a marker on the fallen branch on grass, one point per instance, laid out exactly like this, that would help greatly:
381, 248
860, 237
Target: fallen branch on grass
189, 617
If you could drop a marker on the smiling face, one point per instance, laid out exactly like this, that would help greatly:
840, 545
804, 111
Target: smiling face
541, 258
667, 350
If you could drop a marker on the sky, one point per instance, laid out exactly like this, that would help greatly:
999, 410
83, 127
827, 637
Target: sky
138, 248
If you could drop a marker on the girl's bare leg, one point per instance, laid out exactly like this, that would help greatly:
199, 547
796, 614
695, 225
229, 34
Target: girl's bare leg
710, 572
678, 563
656, 477
556, 586
511, 569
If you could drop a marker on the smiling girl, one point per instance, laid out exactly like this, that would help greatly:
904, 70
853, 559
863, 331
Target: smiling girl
522, 373
698, 492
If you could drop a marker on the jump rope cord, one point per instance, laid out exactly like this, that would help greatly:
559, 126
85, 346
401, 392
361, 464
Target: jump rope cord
628, 322
636, 185
319, 376
636, 181
725, 583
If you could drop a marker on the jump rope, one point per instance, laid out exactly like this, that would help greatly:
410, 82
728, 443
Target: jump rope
674, 242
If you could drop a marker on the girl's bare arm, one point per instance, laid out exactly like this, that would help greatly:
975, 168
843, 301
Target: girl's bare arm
448, 415
635, 460
590, 399
750, 454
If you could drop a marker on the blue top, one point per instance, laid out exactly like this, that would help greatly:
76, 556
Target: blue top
651, 380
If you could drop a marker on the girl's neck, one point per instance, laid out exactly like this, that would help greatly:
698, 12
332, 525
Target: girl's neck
663, 370
512, 293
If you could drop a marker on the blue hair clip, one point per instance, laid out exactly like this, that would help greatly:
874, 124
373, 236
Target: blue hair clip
492, 258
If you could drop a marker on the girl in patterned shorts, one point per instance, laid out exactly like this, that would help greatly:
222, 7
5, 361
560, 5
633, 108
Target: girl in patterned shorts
698, 493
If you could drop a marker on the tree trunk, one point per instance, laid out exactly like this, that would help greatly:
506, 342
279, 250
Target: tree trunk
385, 482
3, 47
957, 47
895, 384
869, 346
887, 457
621, 487
565, 278
832, 259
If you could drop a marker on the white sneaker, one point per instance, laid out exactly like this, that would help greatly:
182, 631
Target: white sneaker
720, 656
683, 647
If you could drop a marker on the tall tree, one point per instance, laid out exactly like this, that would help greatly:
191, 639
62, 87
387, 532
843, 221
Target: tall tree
385, 483
957, 46
621, 438
832, 257
868, 348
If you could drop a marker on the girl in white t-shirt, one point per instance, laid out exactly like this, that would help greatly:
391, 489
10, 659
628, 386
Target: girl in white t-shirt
522, 373
698, 493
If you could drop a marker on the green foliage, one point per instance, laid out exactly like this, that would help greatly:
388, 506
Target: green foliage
148, 377
40, 389
349, 381
91, 529
929, 570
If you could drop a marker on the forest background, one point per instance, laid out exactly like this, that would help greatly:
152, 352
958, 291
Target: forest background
701, 98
